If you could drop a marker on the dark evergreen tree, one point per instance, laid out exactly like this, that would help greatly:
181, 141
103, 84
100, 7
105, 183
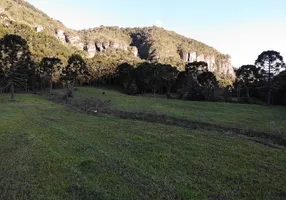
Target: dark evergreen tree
249, 76
279, 87
48, 69
208, 82
272, 62
15, 62
124, 75
76, 70
207, 79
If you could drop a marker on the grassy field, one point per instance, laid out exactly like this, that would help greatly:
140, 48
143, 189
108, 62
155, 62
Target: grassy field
247, 116
48, 151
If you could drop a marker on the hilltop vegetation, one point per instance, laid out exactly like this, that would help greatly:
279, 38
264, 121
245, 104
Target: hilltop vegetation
41, 44
23, 12
165, 44
103, 33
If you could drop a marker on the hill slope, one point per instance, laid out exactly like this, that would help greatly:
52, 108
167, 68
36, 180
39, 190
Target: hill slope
150, 43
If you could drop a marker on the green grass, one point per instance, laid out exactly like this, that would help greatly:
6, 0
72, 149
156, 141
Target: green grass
247, 116
48, 151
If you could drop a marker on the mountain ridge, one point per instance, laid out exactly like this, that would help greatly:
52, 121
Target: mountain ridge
152, 44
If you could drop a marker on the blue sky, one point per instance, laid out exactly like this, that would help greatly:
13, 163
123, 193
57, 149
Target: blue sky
241, 28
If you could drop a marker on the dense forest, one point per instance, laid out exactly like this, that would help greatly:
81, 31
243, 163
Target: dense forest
265, 81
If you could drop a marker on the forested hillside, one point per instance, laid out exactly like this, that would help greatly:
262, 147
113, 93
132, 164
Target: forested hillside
151, 44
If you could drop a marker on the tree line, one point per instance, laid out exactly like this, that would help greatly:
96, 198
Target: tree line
265, 81
19, 70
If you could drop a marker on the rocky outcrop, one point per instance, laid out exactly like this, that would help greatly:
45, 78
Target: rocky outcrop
5, 20
184, 55
91, 50
192, 56
39, 28
105, 45
2, 10
139, 47
134, 51
188, 56
201, 58
114, 45
74, 41
222, 66
99, 46
60, 35
119, 45
225, 67
123, 47
210, 60
93, 47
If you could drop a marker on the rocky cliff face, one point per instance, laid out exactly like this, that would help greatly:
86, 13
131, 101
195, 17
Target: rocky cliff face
180, 49
221, 65
96, 47
92, 46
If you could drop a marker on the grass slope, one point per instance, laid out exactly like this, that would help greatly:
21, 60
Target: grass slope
255, 117
48, 151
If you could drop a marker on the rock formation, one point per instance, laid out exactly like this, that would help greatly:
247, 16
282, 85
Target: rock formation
184, 55
2, 10
192, 56
223, 66
91, 49
105, 45
210, 60
60, 35
114, 45
123, 47
99, 46
5, 20
39, 28
201, 58
134, 51
74, 40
